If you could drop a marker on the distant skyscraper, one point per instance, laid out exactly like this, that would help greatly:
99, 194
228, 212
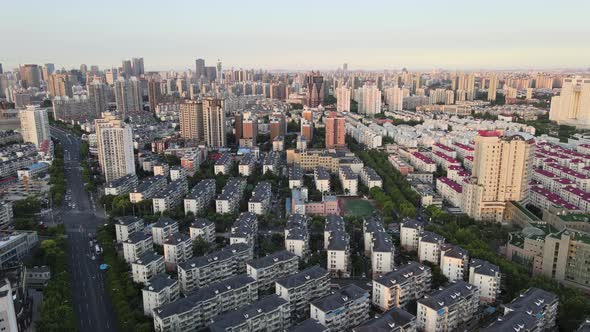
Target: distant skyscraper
335, 131
127, 68
315, 89
343, 99
115, 147
137, 65
110, 76
238, 125
214, 122
345, 67
501, 172
154, 94
191, 120
199, 68
83, 69
493, 87
97, 95
572, 106
60, 85
128, 96
34, 125
394, 98
30, 76
1, 70
369, 99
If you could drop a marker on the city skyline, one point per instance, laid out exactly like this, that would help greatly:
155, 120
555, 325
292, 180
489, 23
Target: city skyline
372, 36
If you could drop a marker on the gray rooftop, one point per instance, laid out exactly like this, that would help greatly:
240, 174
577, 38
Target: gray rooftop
298, 279
454, 251
220, 255
512, 322
390, 320
431, 237
201, 223
137, 237
484, 267
532, 301
340, 298
402, 273
159, 282
309, 325
164, 222
148, 257
271, 259
204, 186
177, 238
263, 306
448, 296
127, 220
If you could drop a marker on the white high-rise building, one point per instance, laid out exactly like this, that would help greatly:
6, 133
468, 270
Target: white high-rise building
128, 95
34, 125
369, 99
98, 97
115, 147
343, 99
214, 122
493, 87
394, 97
572, 106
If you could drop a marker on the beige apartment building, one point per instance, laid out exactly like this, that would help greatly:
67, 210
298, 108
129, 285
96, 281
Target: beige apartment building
572, 106
191, 120
115, 147
502, 168
214, 122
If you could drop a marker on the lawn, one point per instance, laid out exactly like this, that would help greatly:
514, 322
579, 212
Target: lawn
358, 207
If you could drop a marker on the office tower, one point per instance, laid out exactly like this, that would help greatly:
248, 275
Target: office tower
154, 94
48, 68
1, 70
501, 172
191, 120
110, 76
394, 98
199, 68
128, 96
572, 106
345, 67
137, 66
369, 99
83, 69
219, 72
60, 85
127, 69
343, 99
30, 76
315, 89
94, 70
115, 147
278, 125
335, 131
493, 87
97, 95
307, 130
34, 125
250, 127
211, 73
214, 122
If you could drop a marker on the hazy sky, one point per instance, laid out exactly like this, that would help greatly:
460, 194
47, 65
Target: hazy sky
300, 34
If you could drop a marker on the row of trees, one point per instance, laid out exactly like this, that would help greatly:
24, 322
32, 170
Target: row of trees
57, 312
57, 178
125, 295
481, 240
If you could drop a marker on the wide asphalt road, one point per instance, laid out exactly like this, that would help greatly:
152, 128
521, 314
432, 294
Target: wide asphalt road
91, 304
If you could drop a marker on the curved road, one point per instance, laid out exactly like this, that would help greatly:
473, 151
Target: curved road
91, 303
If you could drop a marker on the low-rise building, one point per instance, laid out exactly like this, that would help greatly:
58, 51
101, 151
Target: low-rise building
370, 178
537, 303
148, 188
429, 247
223, 164
271, 162
338, 253
244, 229
229, 199
301, 288
295, 177
196, 310
297, 235
247, 164
393, 320
453, 262
378, 245
127, 225
146, 266
200, 196
160, 290
136, 244
178, 248
447, 309
349, 181
162, 229
202, 228
271, 314
309, 325
171, 197
267, 269
261, 197
485, 276
405, 283
344, 309
205, 270
122, 185
321, 178
410, 230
